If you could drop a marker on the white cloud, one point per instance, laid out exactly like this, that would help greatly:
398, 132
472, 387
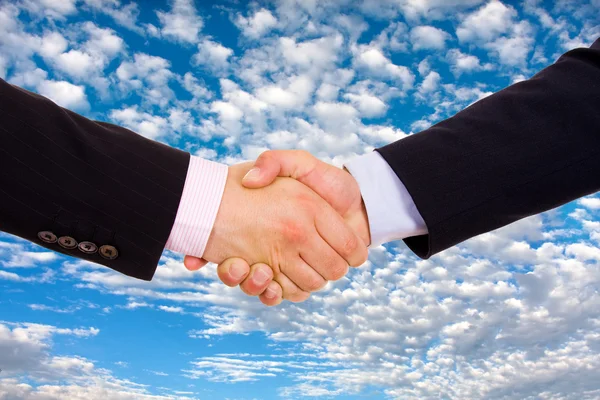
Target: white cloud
195, 87
145, 124
331, 114
376, 63
3, 67
209, 154
414, 9
369, 106
170, 309
588, 34
64, 94
213, 55
147, 75
257, 25
182, 23
428, 37
394, 37
294, 93
30, 372
514, 50
53, 44
316, 54
76, 63
57, 9
21, 258
124, 14
132, 305
487, 23
465, 63
29, 78
592, 203
86, 61
429, 86
102, 41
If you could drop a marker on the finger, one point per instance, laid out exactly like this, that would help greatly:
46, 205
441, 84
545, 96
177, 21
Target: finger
340, 237
336, 186
273, 163
290, 290
194, 263
323, 259
273, 295
233, 271
303, 275
258, 279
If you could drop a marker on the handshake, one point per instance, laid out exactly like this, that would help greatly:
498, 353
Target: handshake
287, 224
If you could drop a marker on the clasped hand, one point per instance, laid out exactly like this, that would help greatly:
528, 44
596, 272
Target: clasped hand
287, 224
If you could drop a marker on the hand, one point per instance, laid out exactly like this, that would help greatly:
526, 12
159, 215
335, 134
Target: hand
334, 185
286, 226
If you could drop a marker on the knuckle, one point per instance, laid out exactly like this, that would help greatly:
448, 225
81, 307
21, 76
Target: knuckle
337, 271
302, 153
351, 245
363, 258
315, 283
335, 268
293, 293
267, 154
268, 158
294, 232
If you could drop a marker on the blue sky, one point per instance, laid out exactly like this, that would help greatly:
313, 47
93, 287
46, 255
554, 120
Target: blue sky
510, 314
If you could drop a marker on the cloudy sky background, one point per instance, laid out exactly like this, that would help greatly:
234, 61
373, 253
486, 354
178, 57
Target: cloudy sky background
510, 314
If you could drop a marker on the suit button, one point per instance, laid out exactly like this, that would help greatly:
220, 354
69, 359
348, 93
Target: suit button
67, 242
47, 237
88, 247
109, 252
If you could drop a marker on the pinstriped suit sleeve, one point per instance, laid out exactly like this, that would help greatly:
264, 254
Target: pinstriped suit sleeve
526, 149
92, 181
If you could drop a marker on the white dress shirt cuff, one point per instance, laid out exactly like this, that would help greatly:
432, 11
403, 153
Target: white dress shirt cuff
390, 208
198, 207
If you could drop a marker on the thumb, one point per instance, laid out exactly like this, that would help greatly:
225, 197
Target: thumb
194, 263
274, 163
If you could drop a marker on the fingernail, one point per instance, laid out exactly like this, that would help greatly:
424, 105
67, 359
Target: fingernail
237, 271
270, 293
260, 276
252, 175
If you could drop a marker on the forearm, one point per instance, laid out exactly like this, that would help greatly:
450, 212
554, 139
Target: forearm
92, 181
526, 149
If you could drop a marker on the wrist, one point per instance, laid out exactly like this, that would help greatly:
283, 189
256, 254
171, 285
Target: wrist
214, 251
230, 235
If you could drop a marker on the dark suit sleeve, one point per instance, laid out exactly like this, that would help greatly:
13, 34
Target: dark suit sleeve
86, 180
526, 149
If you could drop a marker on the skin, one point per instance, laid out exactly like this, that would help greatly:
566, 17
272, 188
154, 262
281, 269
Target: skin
334, 185
284, 226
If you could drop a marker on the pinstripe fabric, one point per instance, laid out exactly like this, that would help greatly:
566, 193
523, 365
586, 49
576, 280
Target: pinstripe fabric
86, 179
198, 207
528, 148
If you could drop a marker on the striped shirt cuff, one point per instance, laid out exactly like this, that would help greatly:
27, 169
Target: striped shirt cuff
198, 208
